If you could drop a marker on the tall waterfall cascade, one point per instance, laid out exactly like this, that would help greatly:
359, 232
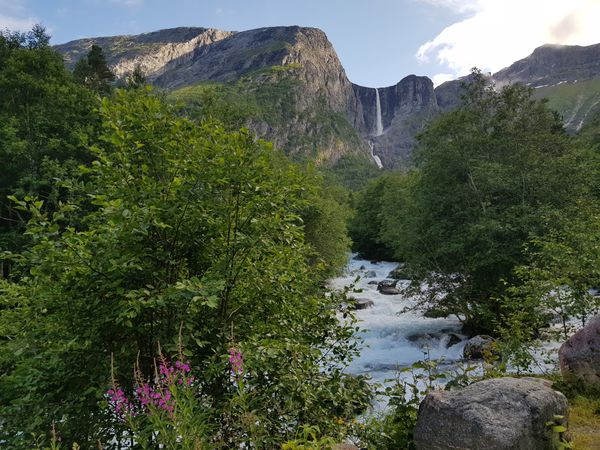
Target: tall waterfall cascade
379, 125
376, 158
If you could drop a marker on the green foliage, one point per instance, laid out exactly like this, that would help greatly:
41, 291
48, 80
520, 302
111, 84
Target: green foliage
310, 439
93, 72
353, 171
487, 174
325, 226
136, 79
178, 230
46, 124
559, 433
366, 225
554, 282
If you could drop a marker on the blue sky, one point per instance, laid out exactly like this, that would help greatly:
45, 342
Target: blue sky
378, 41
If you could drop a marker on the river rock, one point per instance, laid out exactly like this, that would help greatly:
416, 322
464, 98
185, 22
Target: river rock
371, 274
362, 303
498, 414
453, 339
373, 282
389, 291
477, 347
388, 287
579, 356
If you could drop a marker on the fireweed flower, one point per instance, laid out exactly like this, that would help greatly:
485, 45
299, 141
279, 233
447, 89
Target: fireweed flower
119, 403
236, 361
156, 396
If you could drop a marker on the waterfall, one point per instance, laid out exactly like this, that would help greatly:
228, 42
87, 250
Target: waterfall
376, 158
379, 126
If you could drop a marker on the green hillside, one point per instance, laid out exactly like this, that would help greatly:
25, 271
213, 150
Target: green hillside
576, 102
269, 101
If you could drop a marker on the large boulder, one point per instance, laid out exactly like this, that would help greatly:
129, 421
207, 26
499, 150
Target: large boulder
498, 414
362, 303
479, 347
579, 356
388, 287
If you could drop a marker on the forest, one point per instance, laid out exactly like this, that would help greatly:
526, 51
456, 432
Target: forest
164, 271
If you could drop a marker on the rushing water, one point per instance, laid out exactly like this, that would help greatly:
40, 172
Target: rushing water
376, 158
379, 121
392, 339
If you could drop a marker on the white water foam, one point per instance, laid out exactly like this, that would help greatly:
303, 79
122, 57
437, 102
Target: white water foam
393, 340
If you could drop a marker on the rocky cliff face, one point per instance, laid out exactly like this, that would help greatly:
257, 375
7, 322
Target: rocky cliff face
404, 109
552, 64
322, 115
153, 52
180, 57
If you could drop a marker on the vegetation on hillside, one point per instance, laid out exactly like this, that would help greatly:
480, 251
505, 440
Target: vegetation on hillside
163, 269
166, 236
271, 99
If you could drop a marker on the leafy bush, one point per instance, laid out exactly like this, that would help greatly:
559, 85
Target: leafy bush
180, 232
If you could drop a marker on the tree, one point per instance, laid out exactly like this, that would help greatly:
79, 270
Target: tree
193, 239
93, 72
366, 225
46, 123
488, 172
136, 79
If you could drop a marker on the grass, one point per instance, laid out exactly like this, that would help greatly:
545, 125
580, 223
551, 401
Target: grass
576, 102
584, 423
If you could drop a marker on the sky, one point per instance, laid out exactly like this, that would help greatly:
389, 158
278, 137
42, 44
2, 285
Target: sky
378, 41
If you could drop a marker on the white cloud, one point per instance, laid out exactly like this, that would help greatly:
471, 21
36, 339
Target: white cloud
498, 32
15, 24
442, 77
13, 16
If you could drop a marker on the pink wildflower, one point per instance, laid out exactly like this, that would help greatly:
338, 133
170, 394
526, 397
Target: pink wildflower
119, 403
236, 361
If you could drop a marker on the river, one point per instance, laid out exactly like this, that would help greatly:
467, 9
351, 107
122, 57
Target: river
393, 340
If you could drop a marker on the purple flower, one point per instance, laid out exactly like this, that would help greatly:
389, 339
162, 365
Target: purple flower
119, 403
236, 361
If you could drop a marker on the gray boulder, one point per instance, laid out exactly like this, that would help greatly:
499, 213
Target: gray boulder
479, 347
498, 414
579, 356
388, 287
371, 274
362, 303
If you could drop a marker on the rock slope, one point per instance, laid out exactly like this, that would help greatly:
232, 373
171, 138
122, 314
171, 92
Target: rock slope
180, 57
567, 75
330, 116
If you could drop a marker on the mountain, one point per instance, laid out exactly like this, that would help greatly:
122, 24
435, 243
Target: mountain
295, 91
567, 75
302, 99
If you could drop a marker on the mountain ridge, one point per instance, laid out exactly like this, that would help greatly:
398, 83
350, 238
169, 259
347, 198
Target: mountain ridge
264, 58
